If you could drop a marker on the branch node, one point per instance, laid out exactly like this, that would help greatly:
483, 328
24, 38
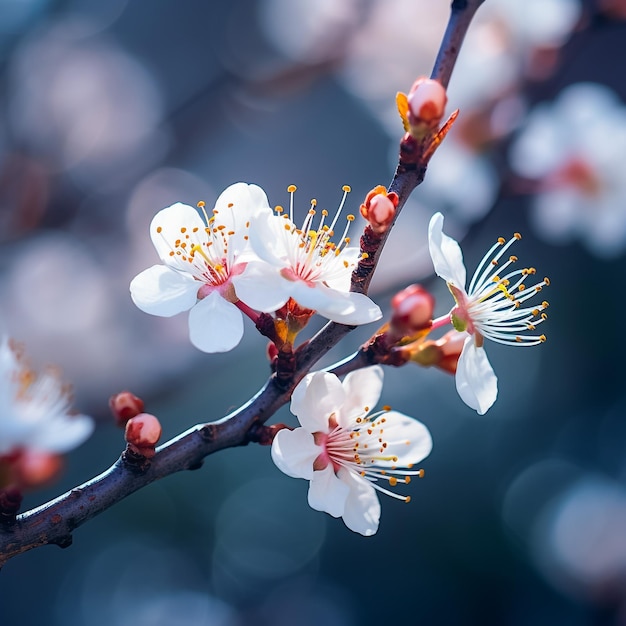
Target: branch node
134, 460
208, 433
10, 502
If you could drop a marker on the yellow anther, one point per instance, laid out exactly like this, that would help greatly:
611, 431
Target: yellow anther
291, 188
518, 339
530, 327
324, 212
494, 262
407, 480
278, 208
183, 230
542, 338
501, 240
347, 188
407, 499
195, 229
365, 256
521, 288
393, 481
230, 205
546, 280
545, 304
386, 408
421, 473
517, 236
544, 316
313, 202
350, 218
513, 258
201, 204
159, 229
535, 312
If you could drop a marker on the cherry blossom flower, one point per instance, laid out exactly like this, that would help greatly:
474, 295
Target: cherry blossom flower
491, 307
573, 148
35, 409
200, 259
344, 451
306, 265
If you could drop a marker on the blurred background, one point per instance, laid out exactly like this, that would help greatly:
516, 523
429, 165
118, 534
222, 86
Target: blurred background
110, 111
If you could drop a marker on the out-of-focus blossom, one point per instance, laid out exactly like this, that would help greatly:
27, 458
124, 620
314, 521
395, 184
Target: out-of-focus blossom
574, 149
344, 451
35, 409
489, 308
84, 104
200, 259
304, 264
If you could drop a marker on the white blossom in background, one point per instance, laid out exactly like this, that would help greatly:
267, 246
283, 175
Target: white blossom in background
574, 149
35, 409
304, 263
489, 308
200, 258
344, 450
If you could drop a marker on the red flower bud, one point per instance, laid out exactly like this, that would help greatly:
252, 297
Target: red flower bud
34, 468
125, 405
427, 103
142, 434
412, 310
379, 208
450, 347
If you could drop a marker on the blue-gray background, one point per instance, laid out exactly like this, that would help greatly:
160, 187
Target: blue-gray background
111, 111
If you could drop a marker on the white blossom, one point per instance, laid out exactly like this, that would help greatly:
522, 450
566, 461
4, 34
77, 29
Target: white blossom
304, 264
35, 409
490, 308
201, 256
344, 450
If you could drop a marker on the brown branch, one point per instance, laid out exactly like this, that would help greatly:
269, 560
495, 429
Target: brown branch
55, 521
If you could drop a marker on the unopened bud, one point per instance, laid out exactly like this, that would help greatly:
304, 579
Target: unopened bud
427, 101
412, 310
125, 405
35, 468
443, 353
379, 209
142, 434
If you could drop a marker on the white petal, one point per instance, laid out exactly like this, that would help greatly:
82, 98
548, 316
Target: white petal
237, 207
262, 287
345, 308
61, 434
445, 253
245, 200
476, 381
315, 398
162, 291
166, 225
327, 493
268, 239
215, 325
407, 439
294, 451
362, 509
363, 388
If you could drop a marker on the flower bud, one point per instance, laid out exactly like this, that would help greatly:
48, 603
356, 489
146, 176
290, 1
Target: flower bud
142, 434
450, 346
125, 405
427, 101
412, 311
35, 468
443, 353
379, 209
